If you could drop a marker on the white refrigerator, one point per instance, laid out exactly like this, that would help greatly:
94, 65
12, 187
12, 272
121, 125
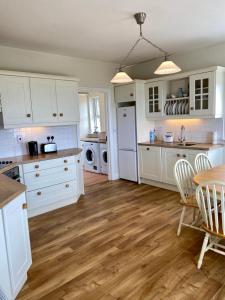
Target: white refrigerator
127, 142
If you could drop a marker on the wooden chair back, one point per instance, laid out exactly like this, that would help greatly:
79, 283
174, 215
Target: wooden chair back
211, 201
202, 162
184, 173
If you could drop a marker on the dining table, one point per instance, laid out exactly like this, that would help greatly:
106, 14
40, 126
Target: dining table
214, 174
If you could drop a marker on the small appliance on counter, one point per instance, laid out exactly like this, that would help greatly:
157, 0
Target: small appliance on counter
49, 147
168, 137
33, 148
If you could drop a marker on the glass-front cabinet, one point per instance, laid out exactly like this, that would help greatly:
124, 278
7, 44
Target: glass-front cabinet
202, 94
154, 99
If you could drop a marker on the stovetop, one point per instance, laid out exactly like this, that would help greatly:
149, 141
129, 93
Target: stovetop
4, 163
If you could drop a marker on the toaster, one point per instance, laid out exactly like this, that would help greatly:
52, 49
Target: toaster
48, 148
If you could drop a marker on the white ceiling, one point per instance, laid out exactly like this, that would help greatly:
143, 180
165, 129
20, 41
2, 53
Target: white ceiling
105, 30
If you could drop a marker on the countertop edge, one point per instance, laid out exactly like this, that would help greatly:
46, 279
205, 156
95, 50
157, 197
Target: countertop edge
203, 147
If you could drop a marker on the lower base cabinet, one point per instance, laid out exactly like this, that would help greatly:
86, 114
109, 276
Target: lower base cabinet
157, 163
15, 258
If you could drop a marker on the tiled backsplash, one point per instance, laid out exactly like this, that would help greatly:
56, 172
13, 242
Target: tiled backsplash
196, 130
65, 137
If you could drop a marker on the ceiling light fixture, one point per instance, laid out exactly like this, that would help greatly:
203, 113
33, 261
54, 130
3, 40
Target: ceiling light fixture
166, 67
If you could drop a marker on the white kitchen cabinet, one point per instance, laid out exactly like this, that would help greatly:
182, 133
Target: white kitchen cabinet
154, 99
44, 104
15, 100
125, 92
17, 242
67, 101
150, 163
4, 267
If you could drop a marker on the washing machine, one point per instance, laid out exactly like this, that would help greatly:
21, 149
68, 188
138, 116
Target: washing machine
91, 158
103, 158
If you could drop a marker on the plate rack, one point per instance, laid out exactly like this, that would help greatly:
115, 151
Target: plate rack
177, 106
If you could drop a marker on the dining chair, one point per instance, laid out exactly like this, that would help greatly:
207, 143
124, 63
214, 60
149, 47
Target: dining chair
184, 173
211, 201
202, 162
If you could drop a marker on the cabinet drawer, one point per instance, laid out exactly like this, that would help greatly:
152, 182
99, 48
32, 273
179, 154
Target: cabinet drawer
47, 164
48, 177
51, 194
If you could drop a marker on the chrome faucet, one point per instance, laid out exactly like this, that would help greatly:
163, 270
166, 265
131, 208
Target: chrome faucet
182, 134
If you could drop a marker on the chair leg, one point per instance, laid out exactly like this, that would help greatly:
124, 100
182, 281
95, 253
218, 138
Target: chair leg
204, 245
181, 220
194, 215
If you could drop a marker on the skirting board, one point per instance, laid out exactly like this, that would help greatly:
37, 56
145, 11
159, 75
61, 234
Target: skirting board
53, 206
159, 184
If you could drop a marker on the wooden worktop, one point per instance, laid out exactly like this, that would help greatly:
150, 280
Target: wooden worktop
94, 140
9, 189
197, 146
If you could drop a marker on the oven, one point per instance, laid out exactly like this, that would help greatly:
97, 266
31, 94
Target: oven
13, 173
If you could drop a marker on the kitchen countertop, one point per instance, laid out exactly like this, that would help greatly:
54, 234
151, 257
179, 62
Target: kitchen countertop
197, 146
94, 140
9, 189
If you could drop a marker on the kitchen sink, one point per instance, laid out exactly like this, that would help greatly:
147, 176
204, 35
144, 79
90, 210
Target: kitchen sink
186, 144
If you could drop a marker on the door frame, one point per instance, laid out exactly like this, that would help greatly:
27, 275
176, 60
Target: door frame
111, 129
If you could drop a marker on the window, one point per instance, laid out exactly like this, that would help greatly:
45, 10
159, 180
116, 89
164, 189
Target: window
94, 114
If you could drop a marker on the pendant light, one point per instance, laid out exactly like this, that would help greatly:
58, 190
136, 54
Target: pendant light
166, 67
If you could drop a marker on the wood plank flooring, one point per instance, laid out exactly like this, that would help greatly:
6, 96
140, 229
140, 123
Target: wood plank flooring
119, 242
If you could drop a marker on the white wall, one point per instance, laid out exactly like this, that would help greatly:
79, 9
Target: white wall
84, 118
90, 72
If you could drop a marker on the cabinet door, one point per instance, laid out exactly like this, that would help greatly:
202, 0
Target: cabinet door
4, 274
17, 241
43, 97
154, 99
169, 158
150, 162
124, 93
67, 101
15, 99
202, 94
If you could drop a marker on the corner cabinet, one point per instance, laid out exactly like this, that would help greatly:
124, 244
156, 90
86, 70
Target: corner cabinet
38, 100
16, 244
154, 94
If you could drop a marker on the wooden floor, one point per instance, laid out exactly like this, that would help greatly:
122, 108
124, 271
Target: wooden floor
93, 178
119, 242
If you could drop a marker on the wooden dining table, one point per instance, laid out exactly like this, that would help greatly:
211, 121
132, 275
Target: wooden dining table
215, 174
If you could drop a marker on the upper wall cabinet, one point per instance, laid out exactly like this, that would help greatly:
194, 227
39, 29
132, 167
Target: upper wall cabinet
38, 100
125, 93
187, 95
44, 103
15, 100
67, 101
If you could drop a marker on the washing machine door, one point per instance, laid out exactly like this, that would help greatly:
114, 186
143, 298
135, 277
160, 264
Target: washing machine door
104, 157
89, 156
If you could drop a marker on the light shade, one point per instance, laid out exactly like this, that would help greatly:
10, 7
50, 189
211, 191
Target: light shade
167, 67
121, 77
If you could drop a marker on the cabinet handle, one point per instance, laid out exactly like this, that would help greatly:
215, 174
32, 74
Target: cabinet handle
65, 169
192, 108
24, 206
67, 185
28, 115
37, 175
178, 155
61, 114
39, 193
131, 95
148, 149
184, 155
78, 161
36, 166
65, 161
54, 115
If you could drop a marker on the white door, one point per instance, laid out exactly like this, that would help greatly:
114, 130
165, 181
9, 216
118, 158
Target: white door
43, 97
202, 94
150, 163
169, 158
124, 93
128, 165
4, 274
126, 128
17, 241
67, 101
15, 99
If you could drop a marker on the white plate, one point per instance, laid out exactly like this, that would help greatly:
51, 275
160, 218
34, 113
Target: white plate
183, 108
166, 107
187, 108
174, 108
